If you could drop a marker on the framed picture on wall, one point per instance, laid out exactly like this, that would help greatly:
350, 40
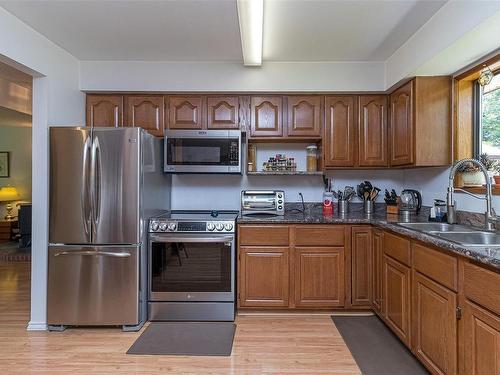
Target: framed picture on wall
4, 164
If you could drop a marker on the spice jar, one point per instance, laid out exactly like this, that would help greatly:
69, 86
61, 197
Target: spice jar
312, 158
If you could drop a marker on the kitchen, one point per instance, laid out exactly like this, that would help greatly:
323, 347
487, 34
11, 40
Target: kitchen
217, 133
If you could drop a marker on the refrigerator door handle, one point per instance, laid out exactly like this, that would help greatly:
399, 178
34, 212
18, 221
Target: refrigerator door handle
85, 194
95, 185
93, 253
98, 181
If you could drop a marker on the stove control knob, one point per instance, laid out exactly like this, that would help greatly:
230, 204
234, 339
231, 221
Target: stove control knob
228, 226
219, 226
163, 227
210, 226
172, 226
154, 226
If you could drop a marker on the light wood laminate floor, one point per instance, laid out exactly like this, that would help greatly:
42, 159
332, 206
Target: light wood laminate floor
263, 344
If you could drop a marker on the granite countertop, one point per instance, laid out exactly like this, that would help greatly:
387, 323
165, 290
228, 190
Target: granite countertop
313, 214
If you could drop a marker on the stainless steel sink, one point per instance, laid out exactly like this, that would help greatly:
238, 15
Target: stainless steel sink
475, 238
437, 227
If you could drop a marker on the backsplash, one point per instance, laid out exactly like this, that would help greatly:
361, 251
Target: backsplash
223, 191
472, 218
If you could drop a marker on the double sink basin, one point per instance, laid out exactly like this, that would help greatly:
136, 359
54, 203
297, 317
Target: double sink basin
461, 234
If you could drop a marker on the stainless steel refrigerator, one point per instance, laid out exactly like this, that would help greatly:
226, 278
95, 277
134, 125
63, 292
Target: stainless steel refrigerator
104, 185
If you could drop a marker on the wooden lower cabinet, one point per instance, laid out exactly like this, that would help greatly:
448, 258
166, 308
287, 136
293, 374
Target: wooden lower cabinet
377, 256
396, 281
481, 341
319, 277
361, 268
434, 325
263, 277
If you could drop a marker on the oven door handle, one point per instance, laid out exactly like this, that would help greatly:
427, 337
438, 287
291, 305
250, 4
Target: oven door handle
191, 239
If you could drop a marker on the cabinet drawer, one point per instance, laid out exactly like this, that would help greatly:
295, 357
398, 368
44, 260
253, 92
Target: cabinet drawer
319, 235
397, 248
263, 235
482, 286
437, 266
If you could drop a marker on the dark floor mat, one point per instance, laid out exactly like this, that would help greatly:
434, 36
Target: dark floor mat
185, 338
375, 348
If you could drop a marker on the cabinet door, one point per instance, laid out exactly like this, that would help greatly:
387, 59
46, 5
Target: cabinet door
372, 151
402, 135
223, 112
361, 255
397, 298
304, 119
266, 116
263, 277
104, 110
339, 134
185, 112
145, 112
481, 341
434, 325
319, 277
377, 297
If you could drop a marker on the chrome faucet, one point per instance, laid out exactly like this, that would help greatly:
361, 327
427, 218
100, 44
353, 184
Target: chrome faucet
489, 216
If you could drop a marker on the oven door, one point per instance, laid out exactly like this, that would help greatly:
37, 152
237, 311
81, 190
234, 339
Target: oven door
191, 267
211, 151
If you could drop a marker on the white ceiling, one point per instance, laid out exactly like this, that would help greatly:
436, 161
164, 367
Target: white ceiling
207, 30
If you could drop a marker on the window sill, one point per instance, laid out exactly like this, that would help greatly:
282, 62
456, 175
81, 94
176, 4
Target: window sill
481, 190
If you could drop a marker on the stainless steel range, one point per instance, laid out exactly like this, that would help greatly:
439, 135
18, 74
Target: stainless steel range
192, 266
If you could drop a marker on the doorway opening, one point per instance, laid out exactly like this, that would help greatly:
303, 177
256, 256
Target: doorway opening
16, 99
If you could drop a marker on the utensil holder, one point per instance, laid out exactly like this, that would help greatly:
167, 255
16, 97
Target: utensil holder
343, 206
368, 206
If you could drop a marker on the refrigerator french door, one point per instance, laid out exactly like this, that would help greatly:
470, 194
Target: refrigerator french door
95, 255
94, 185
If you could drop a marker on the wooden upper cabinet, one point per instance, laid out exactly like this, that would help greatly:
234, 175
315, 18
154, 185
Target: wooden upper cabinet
223, 112
339, 133
401, 126
104, 110
319, 277
186, 112
304, 116
361, 266
372, 150
420, 123
146, 112
266, 116
434, 325
263, 274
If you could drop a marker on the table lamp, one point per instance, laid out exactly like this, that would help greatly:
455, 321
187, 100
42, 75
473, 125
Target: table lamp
8, 194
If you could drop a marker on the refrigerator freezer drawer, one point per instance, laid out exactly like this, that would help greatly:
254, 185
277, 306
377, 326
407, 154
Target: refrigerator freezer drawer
93, 285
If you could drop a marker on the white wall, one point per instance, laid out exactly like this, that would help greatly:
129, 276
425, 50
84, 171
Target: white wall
207, 76
433, 182
57, 100
223, 192
451, 27
17, 140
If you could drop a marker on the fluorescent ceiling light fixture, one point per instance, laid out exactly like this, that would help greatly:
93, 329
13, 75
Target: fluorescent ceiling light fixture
251, 18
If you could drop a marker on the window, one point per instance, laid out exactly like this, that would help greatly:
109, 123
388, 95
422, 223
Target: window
487, 118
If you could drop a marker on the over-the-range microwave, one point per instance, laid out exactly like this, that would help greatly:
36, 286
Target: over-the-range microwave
203, 151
